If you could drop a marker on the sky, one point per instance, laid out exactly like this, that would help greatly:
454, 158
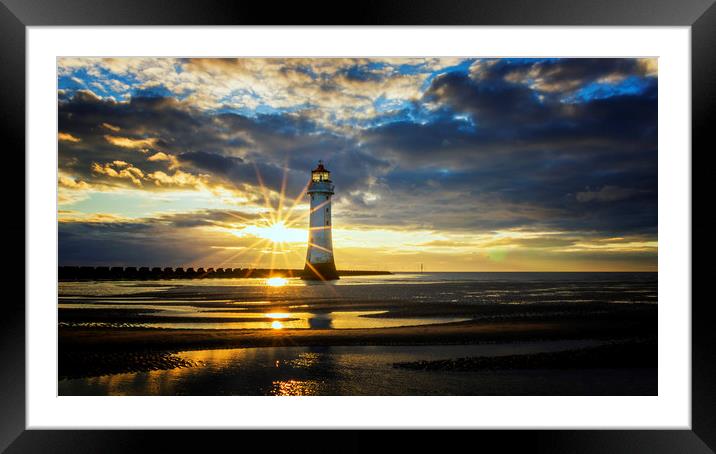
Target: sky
459, 164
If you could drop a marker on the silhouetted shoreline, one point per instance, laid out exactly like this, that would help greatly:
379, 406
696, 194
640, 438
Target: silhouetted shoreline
129, 273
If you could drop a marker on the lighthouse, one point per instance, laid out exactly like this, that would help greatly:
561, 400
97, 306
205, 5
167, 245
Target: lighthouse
319, 257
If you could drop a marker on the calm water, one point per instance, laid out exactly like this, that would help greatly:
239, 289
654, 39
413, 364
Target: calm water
357, 302
354, 371
352, 302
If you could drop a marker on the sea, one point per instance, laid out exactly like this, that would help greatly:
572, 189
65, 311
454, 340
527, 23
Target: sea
401, 299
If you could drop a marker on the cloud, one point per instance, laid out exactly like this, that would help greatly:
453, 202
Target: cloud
606, 194
235, 151
230, 219
649, 66
67, 137
72, 216
443, 243
179, 239
111, 127
161, 156
337, 89
89, 95
563, 76
66, 181
120, 169
143, 145
178, 179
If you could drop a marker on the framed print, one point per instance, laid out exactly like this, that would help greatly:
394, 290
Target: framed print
422, 217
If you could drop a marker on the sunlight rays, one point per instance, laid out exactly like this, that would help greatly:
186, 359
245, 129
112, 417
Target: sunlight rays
319, 247
277, 228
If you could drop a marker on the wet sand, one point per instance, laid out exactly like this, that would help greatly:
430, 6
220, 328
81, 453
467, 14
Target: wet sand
77, 364
629, 354
456, 333
369, 371
77, 342
541, 325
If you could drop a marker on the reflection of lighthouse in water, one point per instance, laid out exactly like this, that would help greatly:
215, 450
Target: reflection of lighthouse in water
319, 258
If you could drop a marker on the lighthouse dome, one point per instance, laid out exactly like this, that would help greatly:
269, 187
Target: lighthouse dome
320, 173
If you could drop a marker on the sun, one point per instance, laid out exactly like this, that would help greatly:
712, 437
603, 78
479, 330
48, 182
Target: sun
274, 231
277, 232
280, 233
276, 281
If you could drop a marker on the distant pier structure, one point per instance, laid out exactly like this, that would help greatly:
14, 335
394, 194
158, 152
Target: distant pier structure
320, 264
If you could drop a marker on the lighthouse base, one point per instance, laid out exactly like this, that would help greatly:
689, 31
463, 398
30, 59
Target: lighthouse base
320, 272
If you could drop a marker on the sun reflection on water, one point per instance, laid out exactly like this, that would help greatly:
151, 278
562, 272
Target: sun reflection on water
277, 315
277, 324
295, 388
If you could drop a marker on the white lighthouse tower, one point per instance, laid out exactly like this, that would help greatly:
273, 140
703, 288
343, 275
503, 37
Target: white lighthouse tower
319, 258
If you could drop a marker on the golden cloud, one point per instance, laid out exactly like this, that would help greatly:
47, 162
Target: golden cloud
66, 137
110, 127
179, 178
122, 171
650, 66
66, 181
136, 144
161, 156
70, 216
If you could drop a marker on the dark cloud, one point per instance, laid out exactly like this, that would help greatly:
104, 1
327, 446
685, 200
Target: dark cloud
212, 162
560, 76
232, 149
538, 159
203, 218
163, 240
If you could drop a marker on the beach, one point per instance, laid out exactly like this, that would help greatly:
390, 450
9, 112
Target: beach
572, 327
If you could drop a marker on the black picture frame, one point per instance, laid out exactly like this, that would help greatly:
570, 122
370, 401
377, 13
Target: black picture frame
700, 15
